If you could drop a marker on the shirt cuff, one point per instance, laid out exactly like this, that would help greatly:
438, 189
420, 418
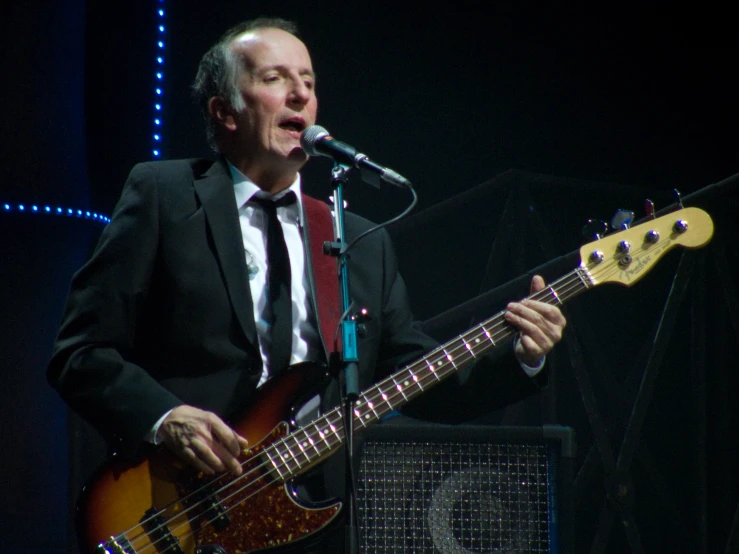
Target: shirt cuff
151, 436
531, 371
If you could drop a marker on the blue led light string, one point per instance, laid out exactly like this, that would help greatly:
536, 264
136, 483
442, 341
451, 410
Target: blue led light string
36, 209
53, 210
159, 80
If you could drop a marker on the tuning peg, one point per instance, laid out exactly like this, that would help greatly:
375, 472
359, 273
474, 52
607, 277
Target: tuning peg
649, 208
622, 219
594, 229
679, 199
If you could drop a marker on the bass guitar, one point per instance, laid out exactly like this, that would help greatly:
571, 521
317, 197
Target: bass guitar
158, 506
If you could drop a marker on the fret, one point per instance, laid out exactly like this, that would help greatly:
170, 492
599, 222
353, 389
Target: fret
383, 406
336, 431
371, 399
359, 417
274, 465
433, 371
465, 357
324, 439
386, 398
293, 457
412, 381
287, 458
450, 359
468, 347
371, 406
313, 443
330, 432
417, 381
554, 295
399, 388
488, 335
301, 446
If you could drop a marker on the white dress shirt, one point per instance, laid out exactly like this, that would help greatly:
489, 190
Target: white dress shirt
306, 342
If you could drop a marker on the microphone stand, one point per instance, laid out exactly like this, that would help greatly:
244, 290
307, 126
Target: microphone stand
349, 371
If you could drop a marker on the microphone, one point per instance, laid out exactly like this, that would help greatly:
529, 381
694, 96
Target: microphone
316, 141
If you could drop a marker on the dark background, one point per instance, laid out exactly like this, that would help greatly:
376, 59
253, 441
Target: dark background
593, 112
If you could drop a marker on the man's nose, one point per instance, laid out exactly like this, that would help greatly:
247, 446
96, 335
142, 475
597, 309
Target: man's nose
300, 93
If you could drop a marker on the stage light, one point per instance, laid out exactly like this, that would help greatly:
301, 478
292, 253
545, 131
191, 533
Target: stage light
48, 210
158, 89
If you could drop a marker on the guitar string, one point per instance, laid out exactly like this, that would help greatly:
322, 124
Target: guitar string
206, 501
544, 295
285, 465
143, 535
467, 344
572, 287
547, 295
475, 337
378, 388
470, 350
450, 349
433, 376
238, 491
255, 482
577, 281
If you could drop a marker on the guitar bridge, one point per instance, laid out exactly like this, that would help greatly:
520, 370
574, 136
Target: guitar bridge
115, 545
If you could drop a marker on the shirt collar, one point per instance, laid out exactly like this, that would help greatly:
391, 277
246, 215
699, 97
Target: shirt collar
245, 188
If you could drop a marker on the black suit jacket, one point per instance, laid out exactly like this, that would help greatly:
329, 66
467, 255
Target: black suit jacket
161, 314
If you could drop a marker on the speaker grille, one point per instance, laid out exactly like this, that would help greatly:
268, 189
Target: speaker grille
456, 496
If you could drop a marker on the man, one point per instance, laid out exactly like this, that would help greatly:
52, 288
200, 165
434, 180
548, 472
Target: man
165, 336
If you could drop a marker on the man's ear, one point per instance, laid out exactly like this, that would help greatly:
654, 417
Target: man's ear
221, 111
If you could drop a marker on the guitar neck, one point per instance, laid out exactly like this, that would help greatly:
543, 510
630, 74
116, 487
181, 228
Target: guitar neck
308, 445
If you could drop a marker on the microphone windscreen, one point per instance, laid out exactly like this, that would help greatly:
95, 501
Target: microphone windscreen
310, 136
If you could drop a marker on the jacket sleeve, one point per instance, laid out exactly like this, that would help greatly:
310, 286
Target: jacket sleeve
91, 365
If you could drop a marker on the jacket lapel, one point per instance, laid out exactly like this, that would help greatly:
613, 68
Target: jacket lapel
215, 191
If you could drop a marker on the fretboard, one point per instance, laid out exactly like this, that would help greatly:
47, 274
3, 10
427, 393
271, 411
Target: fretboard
301, 449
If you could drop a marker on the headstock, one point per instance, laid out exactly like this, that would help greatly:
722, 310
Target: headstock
626, 256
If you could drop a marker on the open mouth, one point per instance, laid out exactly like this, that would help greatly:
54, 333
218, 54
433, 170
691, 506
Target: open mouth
296, 125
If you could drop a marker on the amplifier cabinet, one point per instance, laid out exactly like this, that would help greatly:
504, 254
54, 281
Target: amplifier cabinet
425, 488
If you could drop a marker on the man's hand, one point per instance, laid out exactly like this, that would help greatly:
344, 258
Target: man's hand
540, 326
202, 439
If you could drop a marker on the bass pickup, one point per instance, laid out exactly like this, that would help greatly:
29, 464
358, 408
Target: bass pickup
159, 534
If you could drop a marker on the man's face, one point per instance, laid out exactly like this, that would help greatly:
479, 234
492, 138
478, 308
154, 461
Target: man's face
277, 85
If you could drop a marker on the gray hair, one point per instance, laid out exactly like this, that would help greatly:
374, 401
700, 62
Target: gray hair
219, 70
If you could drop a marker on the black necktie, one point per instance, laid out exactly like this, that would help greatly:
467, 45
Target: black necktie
278, 311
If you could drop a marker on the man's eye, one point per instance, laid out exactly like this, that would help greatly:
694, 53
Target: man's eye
271, 78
